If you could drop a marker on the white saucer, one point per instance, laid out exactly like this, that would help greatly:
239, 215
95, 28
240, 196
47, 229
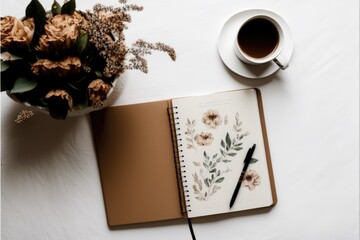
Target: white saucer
226, 46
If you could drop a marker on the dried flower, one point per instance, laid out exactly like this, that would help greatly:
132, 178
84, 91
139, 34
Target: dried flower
23, 116
61, 32
63, 68
212, 118
97, 91
61, 95
15, 33
251, 179
204, 139
63, 50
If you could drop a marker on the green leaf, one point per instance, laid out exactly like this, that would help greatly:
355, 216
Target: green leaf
226, 161
232, 154
222, 152
4, 66
73, 86
98, 74
253, 160
237, 148
220, 180
36, 10
212, 171
55, 8
83, 103
207, 182
228, 139
23, 84
82, 41
222, 143
68, 7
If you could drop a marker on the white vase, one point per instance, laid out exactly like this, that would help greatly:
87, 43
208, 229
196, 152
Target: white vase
114, 93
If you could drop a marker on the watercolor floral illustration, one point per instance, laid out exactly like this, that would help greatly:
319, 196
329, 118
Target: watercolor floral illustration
211, 170
251, 179
212, 119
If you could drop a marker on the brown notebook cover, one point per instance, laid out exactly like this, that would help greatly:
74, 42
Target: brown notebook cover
135, 152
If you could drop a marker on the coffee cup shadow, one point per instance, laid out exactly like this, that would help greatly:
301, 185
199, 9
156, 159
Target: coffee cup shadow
255, 71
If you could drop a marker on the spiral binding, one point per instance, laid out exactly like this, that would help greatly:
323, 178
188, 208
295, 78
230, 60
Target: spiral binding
179, 159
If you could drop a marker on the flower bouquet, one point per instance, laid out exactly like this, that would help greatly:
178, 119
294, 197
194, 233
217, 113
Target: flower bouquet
66, 60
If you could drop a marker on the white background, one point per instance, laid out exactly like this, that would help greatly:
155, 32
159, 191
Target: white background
50, 182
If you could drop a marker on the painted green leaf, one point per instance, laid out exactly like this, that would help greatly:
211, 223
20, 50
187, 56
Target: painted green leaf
228, 139
23, 84
205, 165
237, 148
4, 66
232, 154
253, 160
212, 171
226, 161
220, 180
207, 182
222, 143
205, 154
55, 8
222, 152
68, 7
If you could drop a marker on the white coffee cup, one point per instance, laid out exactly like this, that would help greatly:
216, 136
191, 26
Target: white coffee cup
260, 39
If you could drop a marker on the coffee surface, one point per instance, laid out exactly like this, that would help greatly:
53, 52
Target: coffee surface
258, 38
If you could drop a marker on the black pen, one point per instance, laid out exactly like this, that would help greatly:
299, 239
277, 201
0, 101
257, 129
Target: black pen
246, 164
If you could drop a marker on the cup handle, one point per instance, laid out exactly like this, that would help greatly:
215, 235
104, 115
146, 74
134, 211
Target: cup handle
281, 62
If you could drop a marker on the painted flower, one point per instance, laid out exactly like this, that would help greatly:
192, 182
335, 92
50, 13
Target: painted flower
251, 179
97, 91
61, 32
16, 33
212, 119
204, 139
63, 68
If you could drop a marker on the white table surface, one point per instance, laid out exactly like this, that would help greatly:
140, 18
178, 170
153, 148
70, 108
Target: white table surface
49, 176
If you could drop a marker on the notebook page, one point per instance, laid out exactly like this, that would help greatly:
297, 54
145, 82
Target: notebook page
214, 133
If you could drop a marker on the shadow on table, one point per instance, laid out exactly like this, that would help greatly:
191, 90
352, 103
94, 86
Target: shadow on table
199, 220
39, 138
256, 82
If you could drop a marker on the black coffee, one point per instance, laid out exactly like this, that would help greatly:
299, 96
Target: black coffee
258, 37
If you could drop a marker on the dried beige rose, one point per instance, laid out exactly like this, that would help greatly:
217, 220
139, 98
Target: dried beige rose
64, 68
16, 33
61, 32
59, 93
98, 90
251, 179
204, 139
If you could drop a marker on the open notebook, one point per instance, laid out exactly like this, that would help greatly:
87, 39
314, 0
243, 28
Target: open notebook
181, 158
